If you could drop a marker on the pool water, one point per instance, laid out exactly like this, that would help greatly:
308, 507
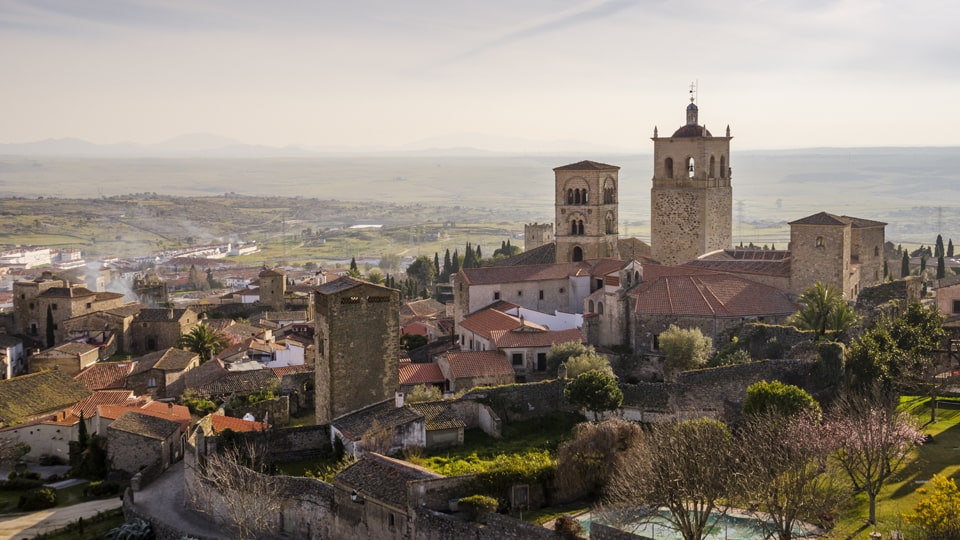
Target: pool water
657, 526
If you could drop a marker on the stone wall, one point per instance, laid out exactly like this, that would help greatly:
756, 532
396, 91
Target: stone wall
275, 411
820, 253
521, 401
761, 340
599, 531
299, 386
292, 444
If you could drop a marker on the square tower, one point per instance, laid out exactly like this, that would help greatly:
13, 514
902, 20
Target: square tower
691, 201
586, 211
358, 346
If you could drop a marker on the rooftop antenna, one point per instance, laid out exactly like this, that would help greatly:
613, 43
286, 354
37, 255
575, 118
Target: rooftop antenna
693, 90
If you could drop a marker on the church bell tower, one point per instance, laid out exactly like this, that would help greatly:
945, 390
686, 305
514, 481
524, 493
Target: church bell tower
691, 201
586, 211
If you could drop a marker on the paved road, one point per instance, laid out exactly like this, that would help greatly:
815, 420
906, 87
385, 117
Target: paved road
163, 499
30, 525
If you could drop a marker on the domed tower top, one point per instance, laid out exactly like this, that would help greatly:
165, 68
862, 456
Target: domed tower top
692, 127
692, 113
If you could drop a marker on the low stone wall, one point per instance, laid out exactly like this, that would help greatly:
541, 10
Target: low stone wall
292, 444
599, 531
275, 411
515, 402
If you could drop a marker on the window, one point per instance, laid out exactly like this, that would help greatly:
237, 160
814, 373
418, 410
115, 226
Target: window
496, 295
391, 521
668, 167
819, 241
519, 293
53, 307
600, 308
33, 329
541, 361
876, 251
656, 342
89, 305
151, 382
599, 283
956, 306
541, 294
590, 307
517, 359
713, 167
31, 305
691, 169
723, 166
561, 290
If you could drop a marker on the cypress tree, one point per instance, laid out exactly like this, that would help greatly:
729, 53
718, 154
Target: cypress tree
436, 262
50, 337
941, 268
905, 265
455, 262
938, 250
950, 248
923, 263
447, 266
886, 271
479, 256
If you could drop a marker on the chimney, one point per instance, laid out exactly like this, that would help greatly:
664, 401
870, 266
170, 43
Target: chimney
398, 398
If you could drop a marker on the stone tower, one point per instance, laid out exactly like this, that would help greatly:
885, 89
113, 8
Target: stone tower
536, 235
273, 287
691, 202
357, 346
586, 211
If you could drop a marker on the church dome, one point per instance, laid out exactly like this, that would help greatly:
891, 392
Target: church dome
692, 130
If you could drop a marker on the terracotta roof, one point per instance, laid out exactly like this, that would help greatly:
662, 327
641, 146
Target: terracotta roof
438, 415
290, 370
159, 409
127, 310
75, 347
382, 478
514, 274
587, 165
88, 406
37, 393
711, 295
145, 425
345, 283
821, 218
486, 320
545, 254
66, 292
169, 359
384, 414
859, 223
528, 337
423, 308
470, 364
241, 382
106, 295
420, 373
750, 261
220, 422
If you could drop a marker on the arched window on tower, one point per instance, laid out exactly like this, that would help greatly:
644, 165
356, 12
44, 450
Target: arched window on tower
668, 167
723, 166
570, 196
611, 224
585, 197
580, 227
609, 192
590, 307
820, 241
573, 227
691, 170
576, 196
713, 167
600, 308
577, 255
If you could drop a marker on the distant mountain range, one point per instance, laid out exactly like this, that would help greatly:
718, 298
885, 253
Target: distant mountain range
210, 145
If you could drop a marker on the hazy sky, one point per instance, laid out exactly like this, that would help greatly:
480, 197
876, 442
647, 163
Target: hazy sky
387, 73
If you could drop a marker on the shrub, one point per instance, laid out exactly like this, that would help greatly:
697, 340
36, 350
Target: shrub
478, 506
568, 528
20, 484
197, 404
136, 529
937, 514
102, 489
37, 499
685, 349
48, 459
773, 349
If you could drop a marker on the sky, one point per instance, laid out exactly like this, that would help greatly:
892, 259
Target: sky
520, 75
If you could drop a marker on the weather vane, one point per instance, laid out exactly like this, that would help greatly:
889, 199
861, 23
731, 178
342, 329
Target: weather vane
693, 92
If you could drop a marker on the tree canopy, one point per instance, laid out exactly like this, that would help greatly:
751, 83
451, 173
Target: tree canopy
775, 397
823, 311
203, 341
595, 391
685, 349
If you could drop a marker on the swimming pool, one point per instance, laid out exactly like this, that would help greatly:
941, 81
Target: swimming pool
656, 525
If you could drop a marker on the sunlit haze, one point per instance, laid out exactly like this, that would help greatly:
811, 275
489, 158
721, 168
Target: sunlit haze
500, 75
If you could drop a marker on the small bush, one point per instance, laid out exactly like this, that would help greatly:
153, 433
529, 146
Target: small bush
102, 489
47, 460
37, 499
136, 529
568, 528
20, 484
23, 475
477, 506
773, 350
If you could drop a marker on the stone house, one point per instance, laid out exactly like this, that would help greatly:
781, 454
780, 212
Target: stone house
467, 369
106, 375
475, 331
387, 427
29, 397
12, 358
413, 374
947, 293
442, 424
157, 374
155, 329
712, 302
527, 346
136, 441
70, 358
45, 298
842, 251
117, 321
105, 414
372, 496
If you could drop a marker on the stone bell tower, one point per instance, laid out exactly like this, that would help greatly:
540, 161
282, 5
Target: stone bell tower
691, 201
586, 211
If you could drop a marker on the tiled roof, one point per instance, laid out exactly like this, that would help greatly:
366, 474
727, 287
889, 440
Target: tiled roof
422, 308
168, 411
75, 347
385, 414
273, 272
587, 165
220, 422
161, 314
127, 310
145, 425
545, 254
88, 406
241, 382
859, 223
290, 370
344, 283
37, 393
821, 218
66, 292
527, 337
170, 359
748, 261
486, 320
470, 364
285, 316
438, 415
633, 249
101, 296
382, 478
420, 373
539, 272
711, 295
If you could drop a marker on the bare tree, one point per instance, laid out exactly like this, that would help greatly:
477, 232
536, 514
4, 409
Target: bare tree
787, 467
251, 497
586, 462
874, 439
687, 468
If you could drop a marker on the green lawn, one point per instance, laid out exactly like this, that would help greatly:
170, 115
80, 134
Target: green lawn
95, 527
899, 496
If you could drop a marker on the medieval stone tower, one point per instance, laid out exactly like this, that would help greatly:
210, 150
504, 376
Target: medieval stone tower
358, 346
691, 202
536, 235
273, 287
586, 211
